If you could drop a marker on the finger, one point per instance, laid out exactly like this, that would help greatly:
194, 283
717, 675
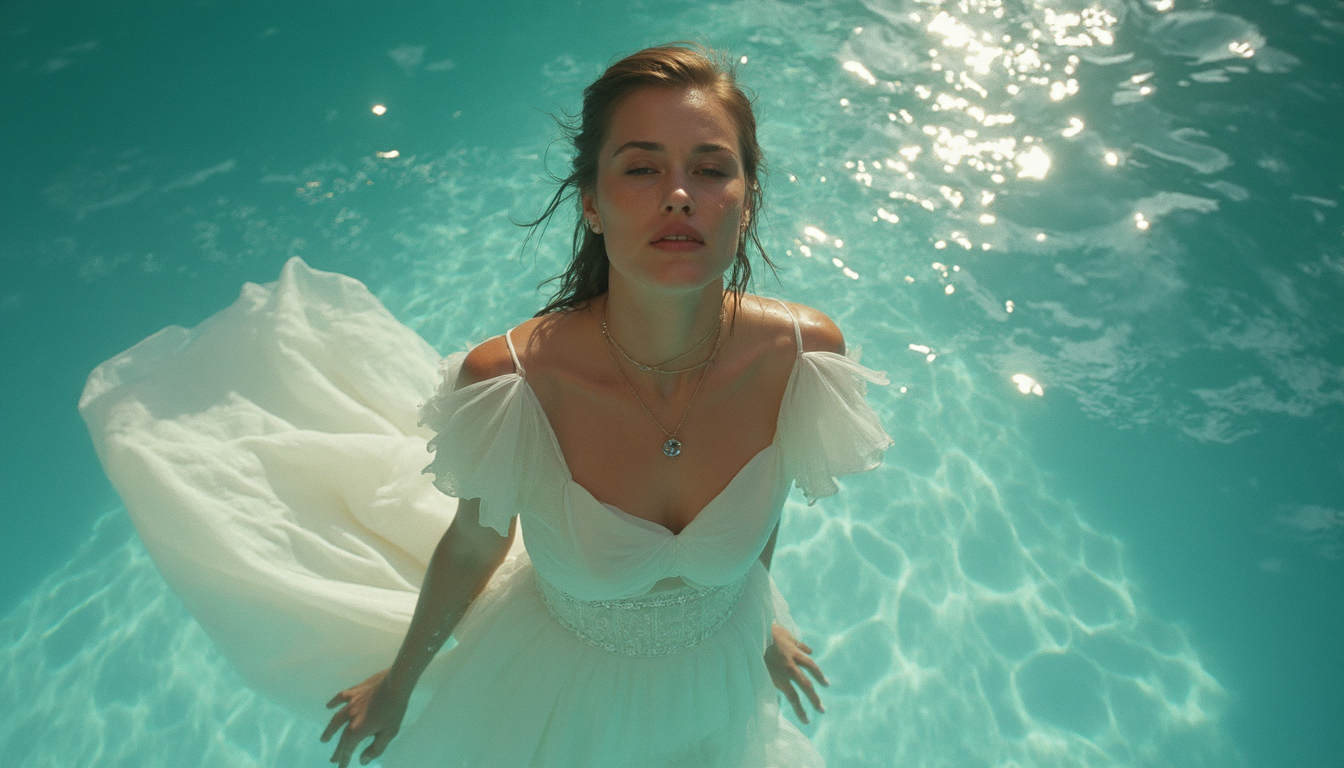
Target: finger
812, 667
811, 692
346, 748
376, 748
337, 699
337, 720
792, 696
806, 648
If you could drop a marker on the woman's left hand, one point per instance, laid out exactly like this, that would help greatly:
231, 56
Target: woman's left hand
786, 658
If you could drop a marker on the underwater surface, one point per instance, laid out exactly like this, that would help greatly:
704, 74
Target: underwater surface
1097, 246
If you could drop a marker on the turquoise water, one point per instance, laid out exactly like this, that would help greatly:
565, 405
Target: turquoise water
1097, 247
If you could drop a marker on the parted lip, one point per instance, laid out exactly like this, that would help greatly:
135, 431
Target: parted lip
678, 229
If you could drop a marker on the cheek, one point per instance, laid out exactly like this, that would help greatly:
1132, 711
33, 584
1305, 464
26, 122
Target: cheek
732, 210
731, 221
621, 202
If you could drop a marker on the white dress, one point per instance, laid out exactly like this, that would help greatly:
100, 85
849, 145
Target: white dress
270, 459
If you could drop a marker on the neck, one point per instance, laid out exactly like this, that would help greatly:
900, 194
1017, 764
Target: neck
654, 326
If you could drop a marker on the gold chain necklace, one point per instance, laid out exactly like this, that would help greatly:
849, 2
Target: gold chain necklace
659, 367
672, 446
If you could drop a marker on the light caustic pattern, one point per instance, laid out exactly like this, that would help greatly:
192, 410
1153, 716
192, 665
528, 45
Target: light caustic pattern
970, 618
104, 667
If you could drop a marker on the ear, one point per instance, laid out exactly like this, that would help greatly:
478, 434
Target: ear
588, 203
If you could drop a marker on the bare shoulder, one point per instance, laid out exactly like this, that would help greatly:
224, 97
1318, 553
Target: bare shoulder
543, 344
485, 361
820, 333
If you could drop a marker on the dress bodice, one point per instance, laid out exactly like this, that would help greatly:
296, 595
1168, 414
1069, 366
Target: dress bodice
496, 443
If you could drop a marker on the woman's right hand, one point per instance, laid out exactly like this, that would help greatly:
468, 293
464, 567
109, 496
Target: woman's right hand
370, 709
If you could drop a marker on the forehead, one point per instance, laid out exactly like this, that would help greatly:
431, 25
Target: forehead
670, 116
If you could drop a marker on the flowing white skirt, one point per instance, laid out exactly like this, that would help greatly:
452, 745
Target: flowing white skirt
270, 460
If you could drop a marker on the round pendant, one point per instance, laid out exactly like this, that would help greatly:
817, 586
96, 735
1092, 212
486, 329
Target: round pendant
672, 448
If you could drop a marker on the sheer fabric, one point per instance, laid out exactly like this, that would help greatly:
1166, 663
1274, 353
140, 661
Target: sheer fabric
270, 459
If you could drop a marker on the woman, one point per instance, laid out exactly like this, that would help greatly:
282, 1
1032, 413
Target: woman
645, 427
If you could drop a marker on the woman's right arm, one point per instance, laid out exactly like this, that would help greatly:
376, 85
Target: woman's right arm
463, 562
467, 556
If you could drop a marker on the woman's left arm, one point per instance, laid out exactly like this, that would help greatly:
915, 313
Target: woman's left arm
786, 657
789, 659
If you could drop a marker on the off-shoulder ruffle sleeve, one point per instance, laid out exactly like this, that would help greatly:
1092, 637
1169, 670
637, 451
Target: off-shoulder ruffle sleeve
827, 428
493, 444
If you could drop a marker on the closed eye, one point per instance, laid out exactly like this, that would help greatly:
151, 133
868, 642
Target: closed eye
645, 171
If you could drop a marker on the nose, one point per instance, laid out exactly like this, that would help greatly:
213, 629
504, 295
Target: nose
678, 195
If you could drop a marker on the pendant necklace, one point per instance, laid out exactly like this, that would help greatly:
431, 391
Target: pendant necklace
671, 446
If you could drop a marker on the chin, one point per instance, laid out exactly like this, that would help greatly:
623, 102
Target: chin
673, 274
690, 272
685, 277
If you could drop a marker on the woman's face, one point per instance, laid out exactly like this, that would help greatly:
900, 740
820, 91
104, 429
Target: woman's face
670, 189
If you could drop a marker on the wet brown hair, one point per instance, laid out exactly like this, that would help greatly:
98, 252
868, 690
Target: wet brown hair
674, 65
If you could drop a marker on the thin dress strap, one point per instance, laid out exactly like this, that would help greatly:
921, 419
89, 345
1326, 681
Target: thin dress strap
517, 366
797, 331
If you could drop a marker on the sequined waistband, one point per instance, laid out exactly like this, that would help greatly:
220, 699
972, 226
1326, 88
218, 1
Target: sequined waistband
654, 624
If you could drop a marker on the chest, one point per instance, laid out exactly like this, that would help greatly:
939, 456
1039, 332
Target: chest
613, 446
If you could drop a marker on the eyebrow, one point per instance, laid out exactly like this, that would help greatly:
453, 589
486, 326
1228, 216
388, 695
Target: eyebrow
653, 146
